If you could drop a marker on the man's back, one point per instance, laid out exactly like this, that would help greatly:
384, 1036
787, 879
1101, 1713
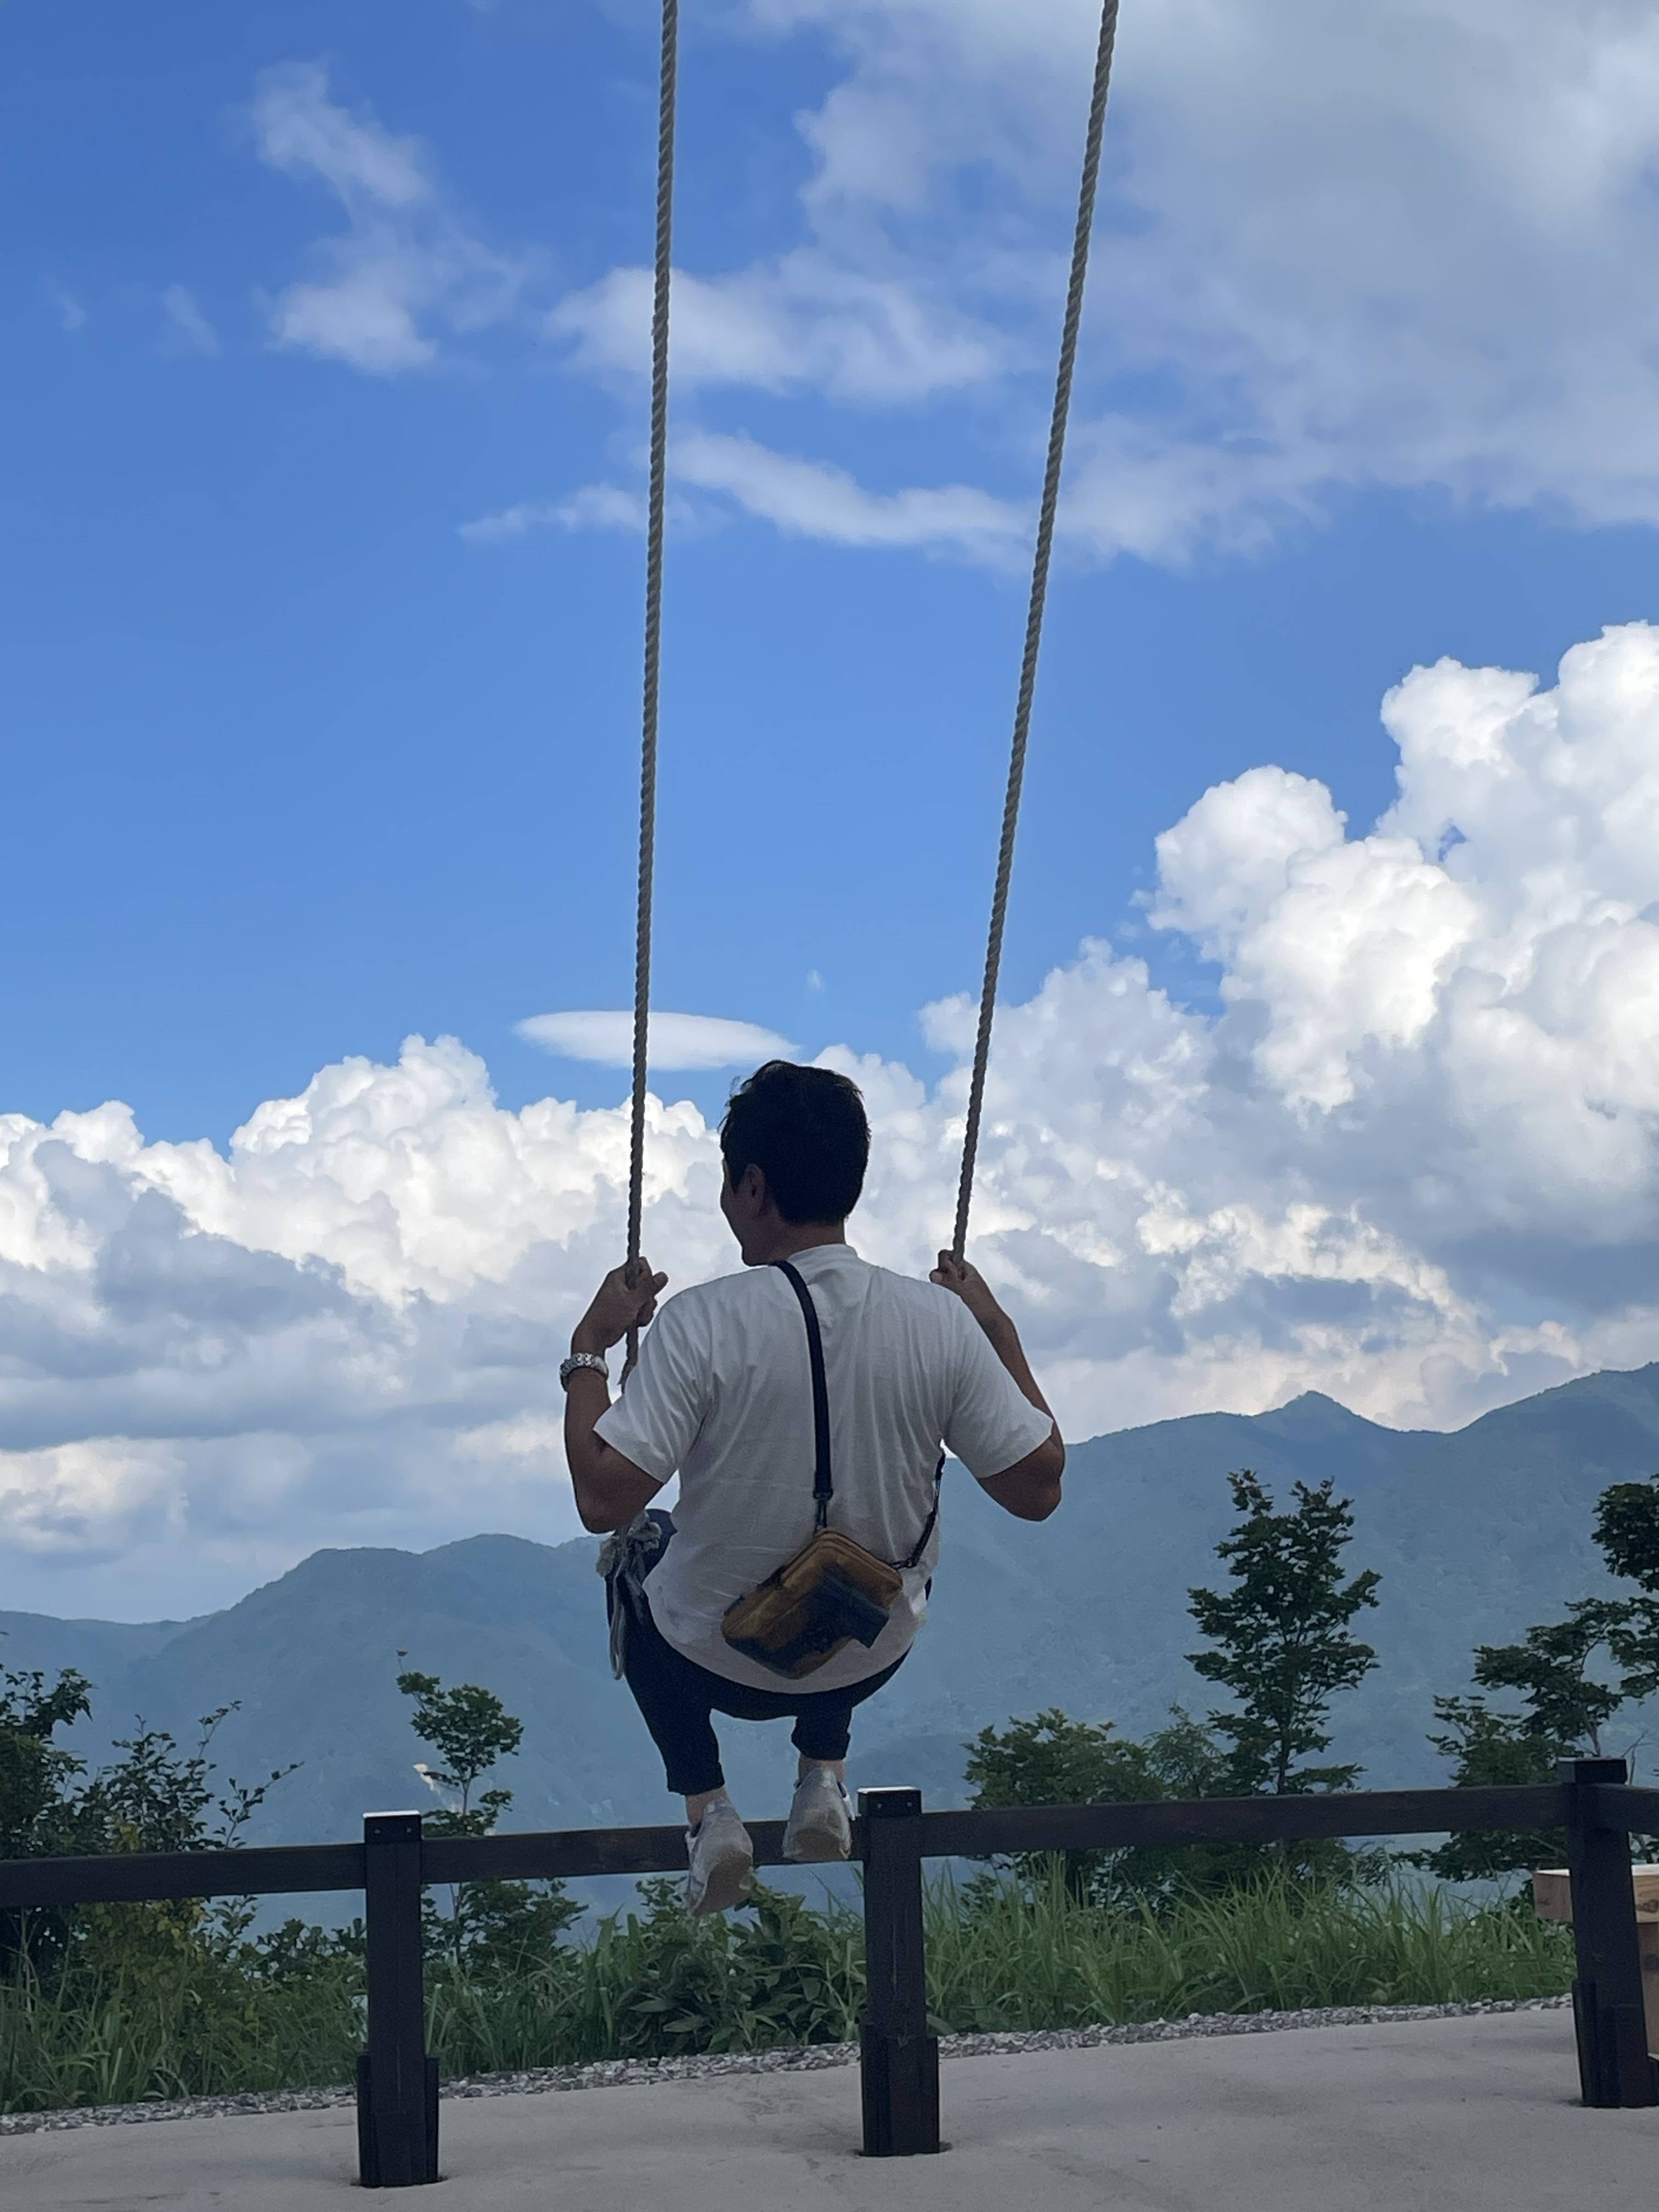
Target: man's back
723, 1393
723, 1396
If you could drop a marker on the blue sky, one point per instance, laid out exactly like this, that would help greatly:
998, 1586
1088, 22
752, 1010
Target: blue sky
323, 591
304, 771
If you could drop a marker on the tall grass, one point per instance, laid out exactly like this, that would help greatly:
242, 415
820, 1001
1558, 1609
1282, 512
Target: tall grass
655, 1983
1018, 1960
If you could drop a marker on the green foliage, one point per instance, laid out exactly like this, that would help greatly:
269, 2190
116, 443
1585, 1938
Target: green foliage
1280, 1635
154, 1798
469, 1728
38, 1776
161, 1799
491, 1927
1051, 1759
778, 1972
1054, 1760
1627, 1529
1491, 1750
1564, 1706
286, 2012
1011, 1957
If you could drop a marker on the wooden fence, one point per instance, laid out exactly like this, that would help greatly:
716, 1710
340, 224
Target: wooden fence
397, 2080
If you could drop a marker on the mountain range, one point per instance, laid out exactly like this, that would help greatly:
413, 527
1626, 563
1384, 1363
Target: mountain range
1476, 1534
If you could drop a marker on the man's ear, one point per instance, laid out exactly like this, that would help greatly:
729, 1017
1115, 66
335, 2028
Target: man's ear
752, 1189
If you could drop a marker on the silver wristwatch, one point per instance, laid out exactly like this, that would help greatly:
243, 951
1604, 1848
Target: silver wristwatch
593, 1359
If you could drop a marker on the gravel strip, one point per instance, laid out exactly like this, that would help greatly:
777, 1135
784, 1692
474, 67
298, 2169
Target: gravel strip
629, 2074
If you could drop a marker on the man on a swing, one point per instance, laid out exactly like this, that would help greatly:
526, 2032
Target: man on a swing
803, 1406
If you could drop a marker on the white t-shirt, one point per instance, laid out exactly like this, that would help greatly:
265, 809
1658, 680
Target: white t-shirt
723, 1392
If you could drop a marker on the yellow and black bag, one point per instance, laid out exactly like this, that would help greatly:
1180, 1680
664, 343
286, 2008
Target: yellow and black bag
832, 1592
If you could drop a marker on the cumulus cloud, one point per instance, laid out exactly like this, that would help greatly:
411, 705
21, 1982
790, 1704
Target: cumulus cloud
674, 1040
1406, 1155
406, 269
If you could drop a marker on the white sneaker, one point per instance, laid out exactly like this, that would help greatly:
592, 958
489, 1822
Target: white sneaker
820, 1825
722, 1859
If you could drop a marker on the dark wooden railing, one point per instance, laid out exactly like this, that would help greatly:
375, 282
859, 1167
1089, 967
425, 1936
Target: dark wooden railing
397, 2080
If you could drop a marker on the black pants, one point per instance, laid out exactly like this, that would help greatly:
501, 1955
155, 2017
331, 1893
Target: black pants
677, 1699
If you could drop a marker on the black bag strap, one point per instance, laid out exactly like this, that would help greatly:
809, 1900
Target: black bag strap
822, 1487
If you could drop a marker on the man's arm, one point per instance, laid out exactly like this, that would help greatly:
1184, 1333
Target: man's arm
1030, 1490
610, 1489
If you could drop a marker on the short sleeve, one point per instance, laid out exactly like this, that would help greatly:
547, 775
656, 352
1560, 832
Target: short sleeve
656, 1419
992, 1425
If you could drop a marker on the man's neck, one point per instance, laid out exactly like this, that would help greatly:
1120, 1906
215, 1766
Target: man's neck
791, 1236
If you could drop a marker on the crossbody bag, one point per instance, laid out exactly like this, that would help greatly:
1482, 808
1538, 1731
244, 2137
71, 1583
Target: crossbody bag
833, 1592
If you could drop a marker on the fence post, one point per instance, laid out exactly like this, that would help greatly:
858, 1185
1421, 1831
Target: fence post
1614, 2065
397, 2082
899, 2060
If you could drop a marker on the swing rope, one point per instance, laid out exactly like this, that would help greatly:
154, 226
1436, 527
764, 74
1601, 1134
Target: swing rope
653, 538
654, 559
1045, 537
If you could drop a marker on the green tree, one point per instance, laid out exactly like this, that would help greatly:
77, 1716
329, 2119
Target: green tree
160, 1798
1491, 1750
38, 1808
1051, 1759
1280, 1634
1626, 1529
489, 1924
155, 1797
38, 1775
1564, 1706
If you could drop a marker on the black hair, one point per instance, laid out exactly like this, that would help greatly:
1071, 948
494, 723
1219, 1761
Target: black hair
807, 1131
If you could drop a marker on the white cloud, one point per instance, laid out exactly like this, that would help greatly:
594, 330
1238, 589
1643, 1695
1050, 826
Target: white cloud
1339, 249
594, 506
1408, 1159
810, 499
802, 498
188, 328
803, 321
71, 315
406, 267
675, 1040
1340, 246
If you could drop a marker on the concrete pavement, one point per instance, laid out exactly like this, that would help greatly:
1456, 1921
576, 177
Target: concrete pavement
1475, 2114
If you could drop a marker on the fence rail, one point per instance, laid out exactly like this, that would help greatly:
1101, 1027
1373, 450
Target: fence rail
1592, 1803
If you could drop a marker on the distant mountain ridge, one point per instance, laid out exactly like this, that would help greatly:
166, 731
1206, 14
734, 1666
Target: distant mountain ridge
1476, 1534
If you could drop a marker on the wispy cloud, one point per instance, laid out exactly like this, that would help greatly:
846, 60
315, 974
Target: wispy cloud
188, 329
595, 507
807, 321
1389, 246
802, 498
813, 499
676, 1041
406, 269
71, 315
